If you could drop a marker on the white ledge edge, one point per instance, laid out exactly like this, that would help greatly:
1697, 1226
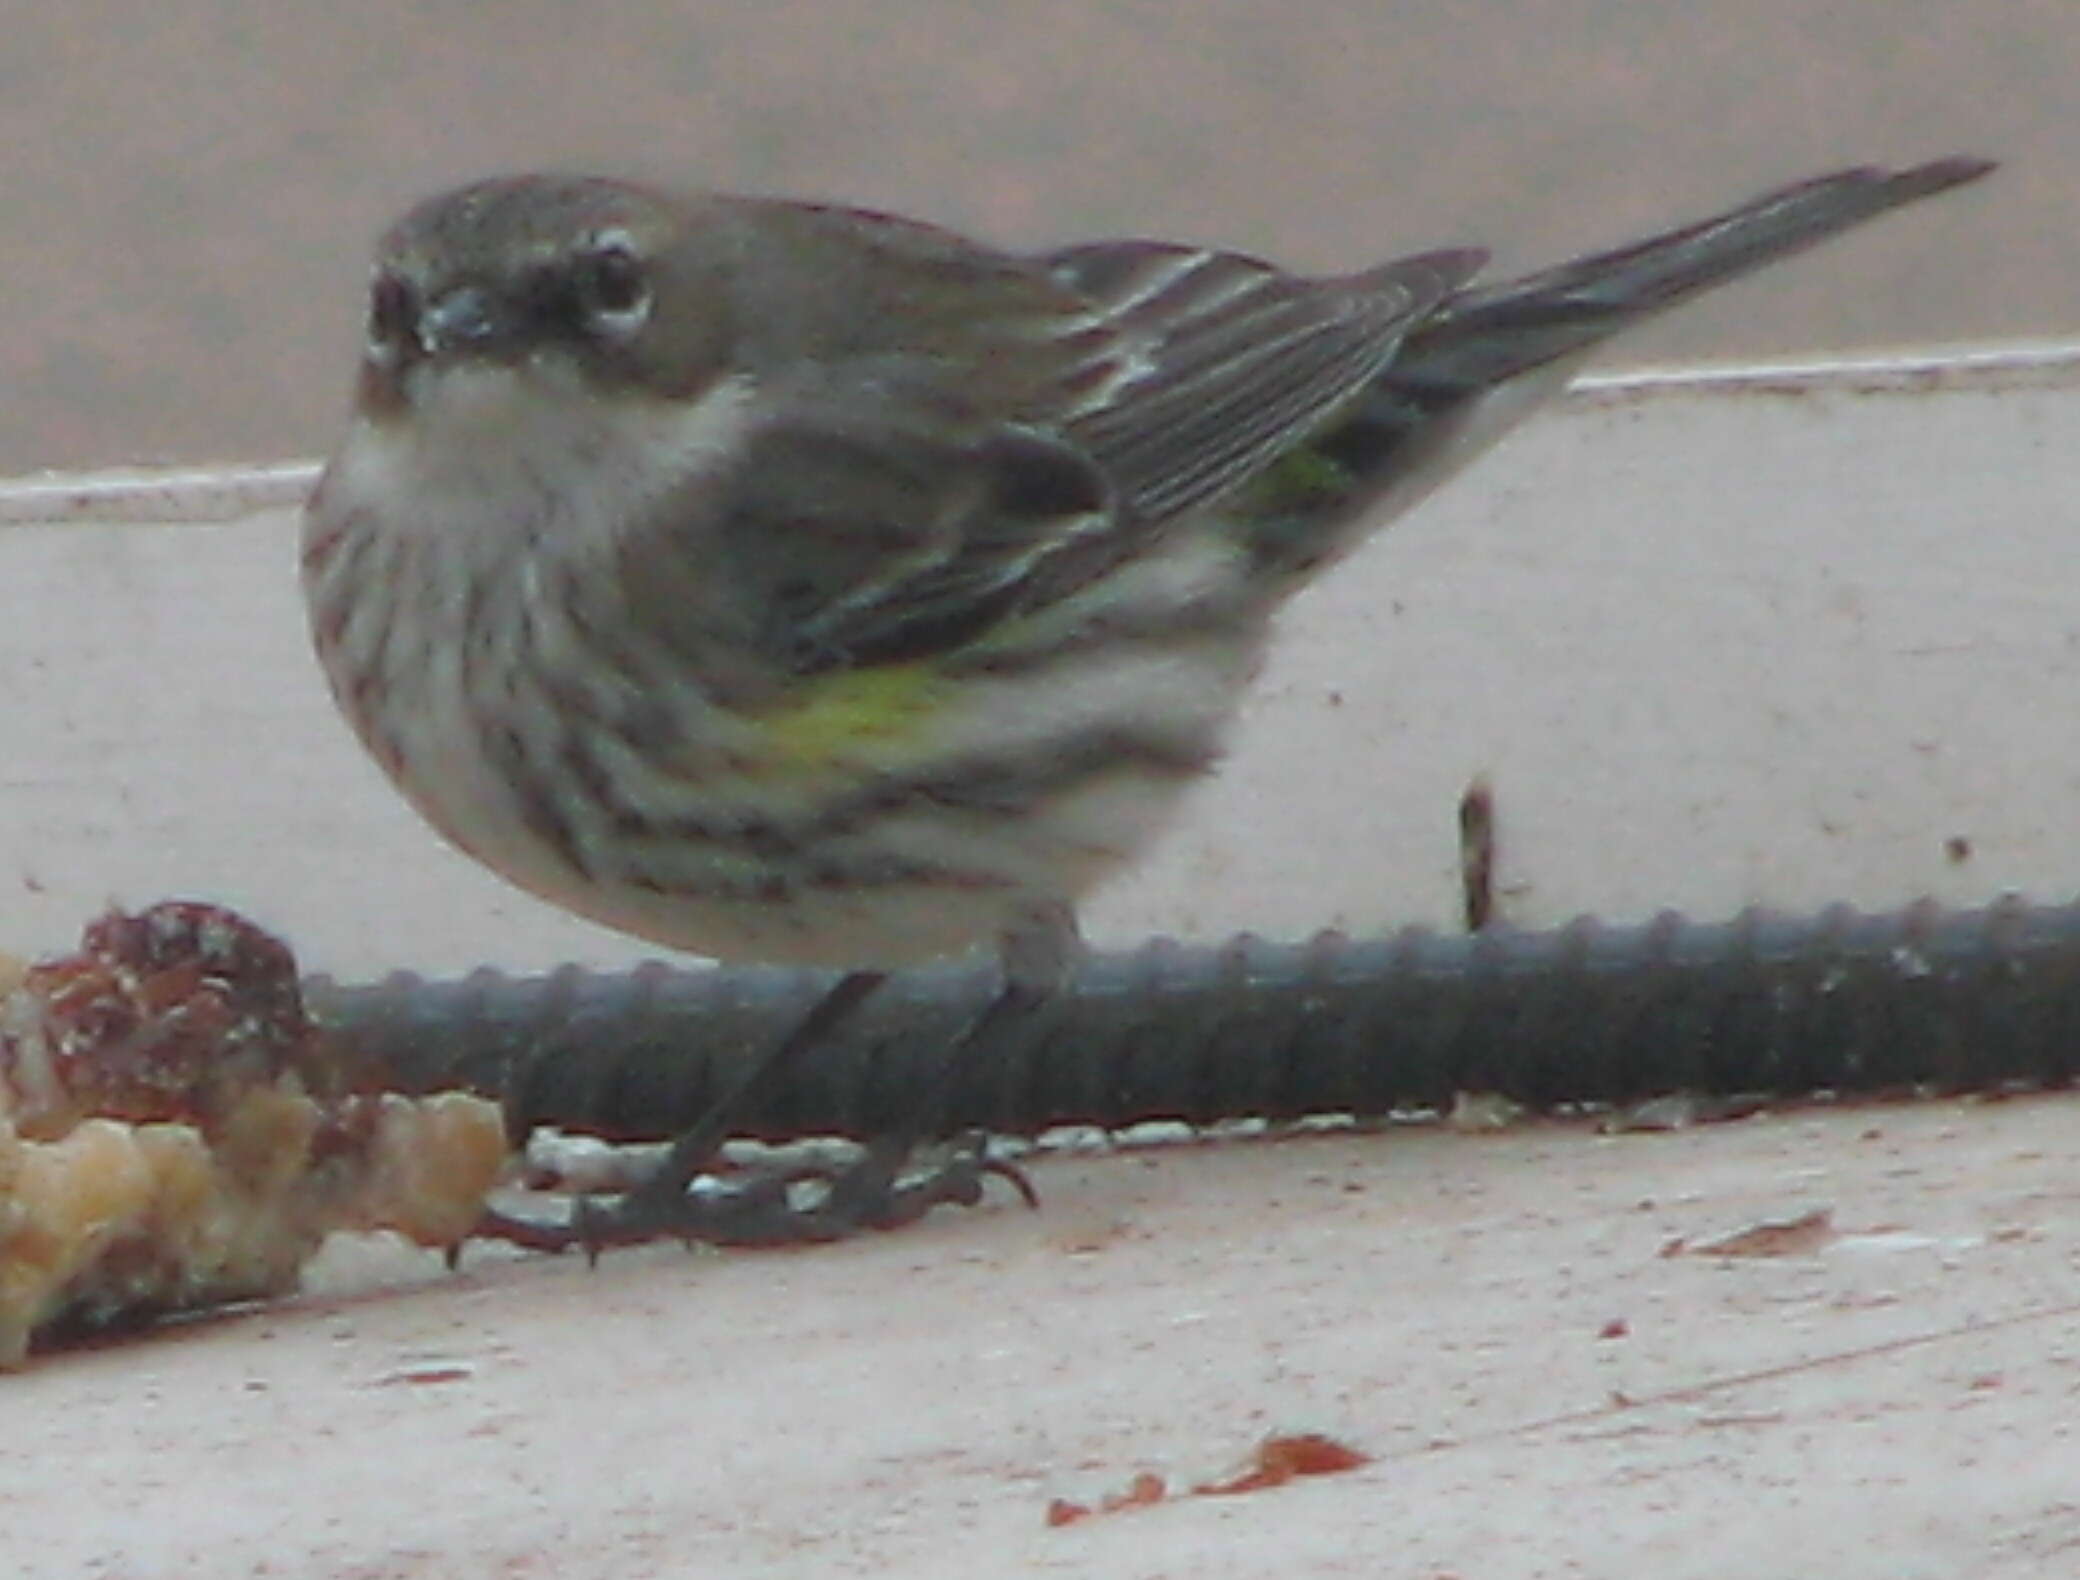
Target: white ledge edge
201, 494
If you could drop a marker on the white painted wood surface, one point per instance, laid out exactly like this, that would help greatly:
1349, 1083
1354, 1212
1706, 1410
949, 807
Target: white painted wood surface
1781, 635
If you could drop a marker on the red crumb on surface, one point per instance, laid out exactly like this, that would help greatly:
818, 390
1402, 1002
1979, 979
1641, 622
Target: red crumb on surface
1275, 1461
1278, 1460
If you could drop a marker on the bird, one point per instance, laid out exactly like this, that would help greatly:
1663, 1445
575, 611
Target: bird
797, 583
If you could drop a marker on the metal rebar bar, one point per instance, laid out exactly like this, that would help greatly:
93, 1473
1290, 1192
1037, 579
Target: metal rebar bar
1918, 999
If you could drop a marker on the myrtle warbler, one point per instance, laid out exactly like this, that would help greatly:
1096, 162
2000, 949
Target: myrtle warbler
795, 583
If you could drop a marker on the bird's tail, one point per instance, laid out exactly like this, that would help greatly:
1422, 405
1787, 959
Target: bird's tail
1491, 354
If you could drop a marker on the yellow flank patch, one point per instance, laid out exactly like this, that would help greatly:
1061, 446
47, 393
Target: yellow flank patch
854, 714
1299, 478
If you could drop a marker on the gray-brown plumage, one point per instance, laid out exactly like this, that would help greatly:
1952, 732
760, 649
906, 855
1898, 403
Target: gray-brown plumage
796, 583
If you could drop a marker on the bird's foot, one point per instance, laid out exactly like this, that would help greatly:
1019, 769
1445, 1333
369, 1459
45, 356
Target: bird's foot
784, 1203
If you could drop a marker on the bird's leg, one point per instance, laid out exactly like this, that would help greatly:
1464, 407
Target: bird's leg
875, 1193
660, 1205
762, 1207
693, 1150
878, 1191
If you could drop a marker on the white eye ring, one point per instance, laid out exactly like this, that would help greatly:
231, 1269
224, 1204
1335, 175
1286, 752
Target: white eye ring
612, 284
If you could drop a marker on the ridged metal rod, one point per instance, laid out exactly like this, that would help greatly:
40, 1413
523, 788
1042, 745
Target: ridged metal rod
1923, 998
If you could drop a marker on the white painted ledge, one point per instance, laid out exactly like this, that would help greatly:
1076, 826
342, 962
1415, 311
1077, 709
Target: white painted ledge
1783, 635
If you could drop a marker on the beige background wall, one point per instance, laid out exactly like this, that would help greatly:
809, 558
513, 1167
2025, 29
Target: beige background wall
192, 185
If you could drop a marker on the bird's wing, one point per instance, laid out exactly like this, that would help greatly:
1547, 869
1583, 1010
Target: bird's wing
1200, 368
875, 515
885, 523
898, 504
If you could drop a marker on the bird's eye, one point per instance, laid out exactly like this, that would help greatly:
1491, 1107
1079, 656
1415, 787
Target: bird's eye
613, 287
393, 313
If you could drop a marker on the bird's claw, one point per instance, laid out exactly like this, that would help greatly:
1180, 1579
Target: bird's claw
763, 1207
